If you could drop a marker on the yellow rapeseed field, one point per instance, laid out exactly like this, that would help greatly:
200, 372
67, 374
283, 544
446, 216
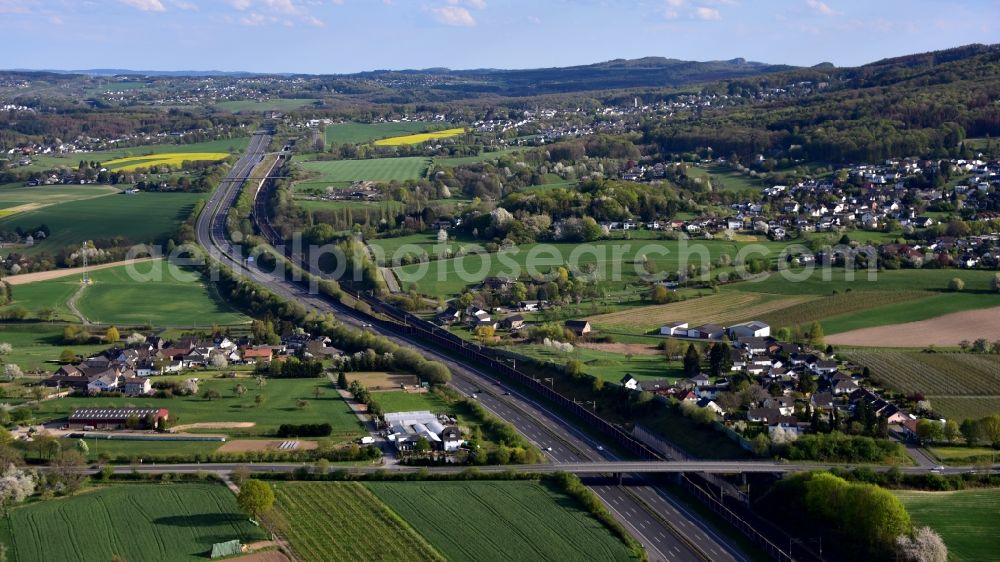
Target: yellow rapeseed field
173, 160
419, 137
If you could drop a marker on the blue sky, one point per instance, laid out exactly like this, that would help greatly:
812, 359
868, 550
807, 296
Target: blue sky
334, 36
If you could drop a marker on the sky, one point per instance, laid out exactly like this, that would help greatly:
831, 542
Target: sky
343, 36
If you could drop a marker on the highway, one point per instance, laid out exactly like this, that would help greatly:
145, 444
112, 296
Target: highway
666, 528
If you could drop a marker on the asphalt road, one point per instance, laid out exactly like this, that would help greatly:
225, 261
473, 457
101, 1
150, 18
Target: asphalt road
664, 526
582, 468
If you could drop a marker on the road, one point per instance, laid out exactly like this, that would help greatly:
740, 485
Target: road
594, 468
669, 534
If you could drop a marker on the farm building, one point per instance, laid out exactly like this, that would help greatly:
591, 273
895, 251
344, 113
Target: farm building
674, 329
407, 428
751, 329
117, 418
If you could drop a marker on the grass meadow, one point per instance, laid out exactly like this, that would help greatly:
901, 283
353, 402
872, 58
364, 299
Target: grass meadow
37, 346
345, 521
143, 217
499, 521
359, 133
966, 520
280, 405
171, 297
136, 522
173, 300
448, 277
18, 198
329, 172
610, 366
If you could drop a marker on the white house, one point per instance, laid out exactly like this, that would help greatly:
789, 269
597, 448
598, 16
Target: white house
105, 383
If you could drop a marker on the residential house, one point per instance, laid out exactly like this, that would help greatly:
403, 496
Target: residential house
629, 382
578, 327
137, 386
711, 405
262, 354
512, 323
104, 383
449, 316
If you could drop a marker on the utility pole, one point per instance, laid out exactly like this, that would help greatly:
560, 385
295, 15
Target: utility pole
86, 276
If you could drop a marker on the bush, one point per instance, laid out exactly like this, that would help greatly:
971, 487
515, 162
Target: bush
305, 430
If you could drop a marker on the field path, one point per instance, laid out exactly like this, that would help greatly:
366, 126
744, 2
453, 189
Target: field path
71, 305
947, 330
24, 278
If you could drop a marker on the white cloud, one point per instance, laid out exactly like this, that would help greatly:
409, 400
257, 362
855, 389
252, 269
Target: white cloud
821, 7
708, 14
240, 4
671, 12
454, 15
253, 19
478, 4
145, 5
282, 6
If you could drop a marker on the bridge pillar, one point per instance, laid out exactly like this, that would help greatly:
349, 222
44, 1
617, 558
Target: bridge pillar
618, 478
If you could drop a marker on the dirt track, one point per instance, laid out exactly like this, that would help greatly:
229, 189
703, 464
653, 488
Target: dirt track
622, 348
947, 330
212, 425
24, 278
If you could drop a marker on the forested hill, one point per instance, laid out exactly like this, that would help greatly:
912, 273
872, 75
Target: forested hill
919, 104
615, 74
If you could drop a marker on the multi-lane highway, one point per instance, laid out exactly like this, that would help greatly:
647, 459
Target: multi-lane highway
665, 527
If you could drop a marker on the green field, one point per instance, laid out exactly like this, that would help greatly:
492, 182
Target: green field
958, 385
345, 521
46, 294
934, 280
15, 195
323, 173
46, 162
327, 205
276, 104
37, 346
143, 217
358, 133
481, 157
606, 365
173, 298
280, 406
400, 401
160, 295
936, 304
501, 521
138, 522
724, 178
614, 260
146, 450
397, 248
967, 520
